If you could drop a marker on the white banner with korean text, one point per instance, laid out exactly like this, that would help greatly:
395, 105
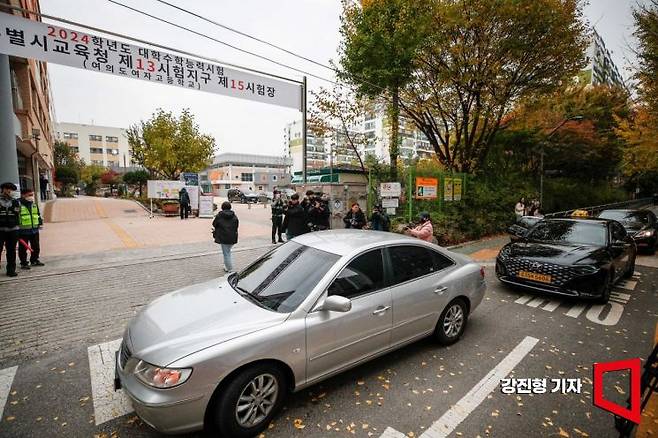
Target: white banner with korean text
60, 45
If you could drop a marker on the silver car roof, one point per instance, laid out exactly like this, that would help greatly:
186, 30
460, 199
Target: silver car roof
345, 241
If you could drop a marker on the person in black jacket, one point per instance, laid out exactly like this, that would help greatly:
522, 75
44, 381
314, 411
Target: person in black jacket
355, 217
184, 201
225, 233
295, 222
318, 214
379, 221
278, 209
10, 210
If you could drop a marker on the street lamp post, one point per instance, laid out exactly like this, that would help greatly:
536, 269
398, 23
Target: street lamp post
541, 155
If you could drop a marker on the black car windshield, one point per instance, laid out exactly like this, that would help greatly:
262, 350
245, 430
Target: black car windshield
281, 279
569, 232
626, 217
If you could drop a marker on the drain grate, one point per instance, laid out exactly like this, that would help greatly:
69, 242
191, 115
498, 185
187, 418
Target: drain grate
132, 210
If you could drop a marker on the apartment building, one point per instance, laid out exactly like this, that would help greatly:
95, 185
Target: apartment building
600, 69
102, 145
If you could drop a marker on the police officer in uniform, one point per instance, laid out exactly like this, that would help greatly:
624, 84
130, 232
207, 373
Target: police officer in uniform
30, 222
10, 210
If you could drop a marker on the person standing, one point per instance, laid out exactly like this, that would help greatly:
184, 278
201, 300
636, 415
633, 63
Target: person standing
519, 209
379, 221
10, 210
318, 215
184, 201
43, 187
424, 230
225, 233
355, 217
28, 233
278, 208
295, 222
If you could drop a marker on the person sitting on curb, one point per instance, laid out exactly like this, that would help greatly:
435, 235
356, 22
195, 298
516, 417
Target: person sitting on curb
225, 233
424, 230
28, 234
10, 210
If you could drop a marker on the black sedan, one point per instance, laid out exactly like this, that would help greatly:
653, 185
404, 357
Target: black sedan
640, 224
574, 257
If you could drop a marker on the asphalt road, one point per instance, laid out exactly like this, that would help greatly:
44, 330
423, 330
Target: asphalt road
60, 391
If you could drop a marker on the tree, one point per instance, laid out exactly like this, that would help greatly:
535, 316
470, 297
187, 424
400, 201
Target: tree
482, 57
646, 32
641, 136
91, 175
111, 178
380, 41
136, 178
167, 145
64, 155
338, 111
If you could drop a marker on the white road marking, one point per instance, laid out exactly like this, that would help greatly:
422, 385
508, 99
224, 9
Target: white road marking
524, 299
620, 295
536, 302
460, 411
108, 404
552, 305
6, 379
618, 300
392, 433
613, 316
627, 284
576, 310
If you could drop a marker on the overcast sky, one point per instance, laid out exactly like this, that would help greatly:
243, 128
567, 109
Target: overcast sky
307, 27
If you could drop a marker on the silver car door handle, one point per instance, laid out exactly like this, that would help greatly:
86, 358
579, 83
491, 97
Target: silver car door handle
380, 310
439, 290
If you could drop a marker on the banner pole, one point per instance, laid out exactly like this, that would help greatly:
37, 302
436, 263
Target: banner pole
304, 139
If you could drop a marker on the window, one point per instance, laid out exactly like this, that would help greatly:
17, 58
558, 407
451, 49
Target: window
112, 151
99, 162
440, 261
560, 230
618, 232
247, 177
274, 177
95, 138
281, 279
96, 151
74, 149
70, 135
362, 275
410, 262
111, 139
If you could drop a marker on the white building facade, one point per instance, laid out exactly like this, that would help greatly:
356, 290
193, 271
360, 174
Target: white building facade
600, 69
102, 145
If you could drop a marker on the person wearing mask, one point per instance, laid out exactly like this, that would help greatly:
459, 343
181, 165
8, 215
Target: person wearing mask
379, 221
28, 233
355, 217
519, 209
10, 210
424, 230
278, 208
225, 231
184, 201
318, 215
295, 222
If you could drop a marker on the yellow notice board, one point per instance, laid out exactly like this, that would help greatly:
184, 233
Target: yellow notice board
457, 189
448, 189
426, 188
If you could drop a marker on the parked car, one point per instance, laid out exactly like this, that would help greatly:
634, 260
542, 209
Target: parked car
574, 257
237, 195
230, 350
641, 224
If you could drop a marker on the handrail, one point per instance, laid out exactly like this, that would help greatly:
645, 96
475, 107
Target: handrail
598, 208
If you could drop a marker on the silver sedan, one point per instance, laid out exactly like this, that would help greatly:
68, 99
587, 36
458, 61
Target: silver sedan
227, 352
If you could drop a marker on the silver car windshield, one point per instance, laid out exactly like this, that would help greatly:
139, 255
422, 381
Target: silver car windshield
281, 279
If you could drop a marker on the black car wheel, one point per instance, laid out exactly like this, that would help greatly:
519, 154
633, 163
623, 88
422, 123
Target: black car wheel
452, 322
250, 401
630, 269
606, 289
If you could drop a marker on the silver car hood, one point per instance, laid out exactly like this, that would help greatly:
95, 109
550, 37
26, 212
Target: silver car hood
193, 318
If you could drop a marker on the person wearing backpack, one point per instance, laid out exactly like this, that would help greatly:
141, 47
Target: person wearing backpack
225, 233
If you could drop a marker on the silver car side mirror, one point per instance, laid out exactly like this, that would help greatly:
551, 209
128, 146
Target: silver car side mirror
336, 303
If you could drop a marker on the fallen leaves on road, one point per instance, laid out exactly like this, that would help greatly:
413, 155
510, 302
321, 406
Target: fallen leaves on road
298, 423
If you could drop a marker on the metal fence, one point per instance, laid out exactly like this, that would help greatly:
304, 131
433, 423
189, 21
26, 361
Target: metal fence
594, 210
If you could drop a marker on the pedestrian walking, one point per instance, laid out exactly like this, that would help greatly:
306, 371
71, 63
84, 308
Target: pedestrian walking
184, 201
10, 210
278, 209
28, 233
424, 230
379, 221
519, 209
295, 222
43, 187
355, 217
225, 232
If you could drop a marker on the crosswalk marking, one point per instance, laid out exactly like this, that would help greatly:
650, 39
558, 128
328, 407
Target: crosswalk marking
620, 297
392, 433
6, 378
627, 284
576, 310
108, 404
524, 299
551, 306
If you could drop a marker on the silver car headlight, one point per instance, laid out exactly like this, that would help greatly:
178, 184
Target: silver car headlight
647, 233
159, 377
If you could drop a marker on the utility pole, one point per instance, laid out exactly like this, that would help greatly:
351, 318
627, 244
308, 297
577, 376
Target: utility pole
8, 154
304, 157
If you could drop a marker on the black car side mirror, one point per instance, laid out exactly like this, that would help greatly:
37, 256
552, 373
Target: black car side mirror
618, 244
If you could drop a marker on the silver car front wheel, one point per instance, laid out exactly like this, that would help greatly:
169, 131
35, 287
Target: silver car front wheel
257, 400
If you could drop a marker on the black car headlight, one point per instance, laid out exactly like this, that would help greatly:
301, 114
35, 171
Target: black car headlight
645, 233
504, 253
585, 269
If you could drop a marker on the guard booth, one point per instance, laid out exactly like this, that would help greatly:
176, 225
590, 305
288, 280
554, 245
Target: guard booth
343, 185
